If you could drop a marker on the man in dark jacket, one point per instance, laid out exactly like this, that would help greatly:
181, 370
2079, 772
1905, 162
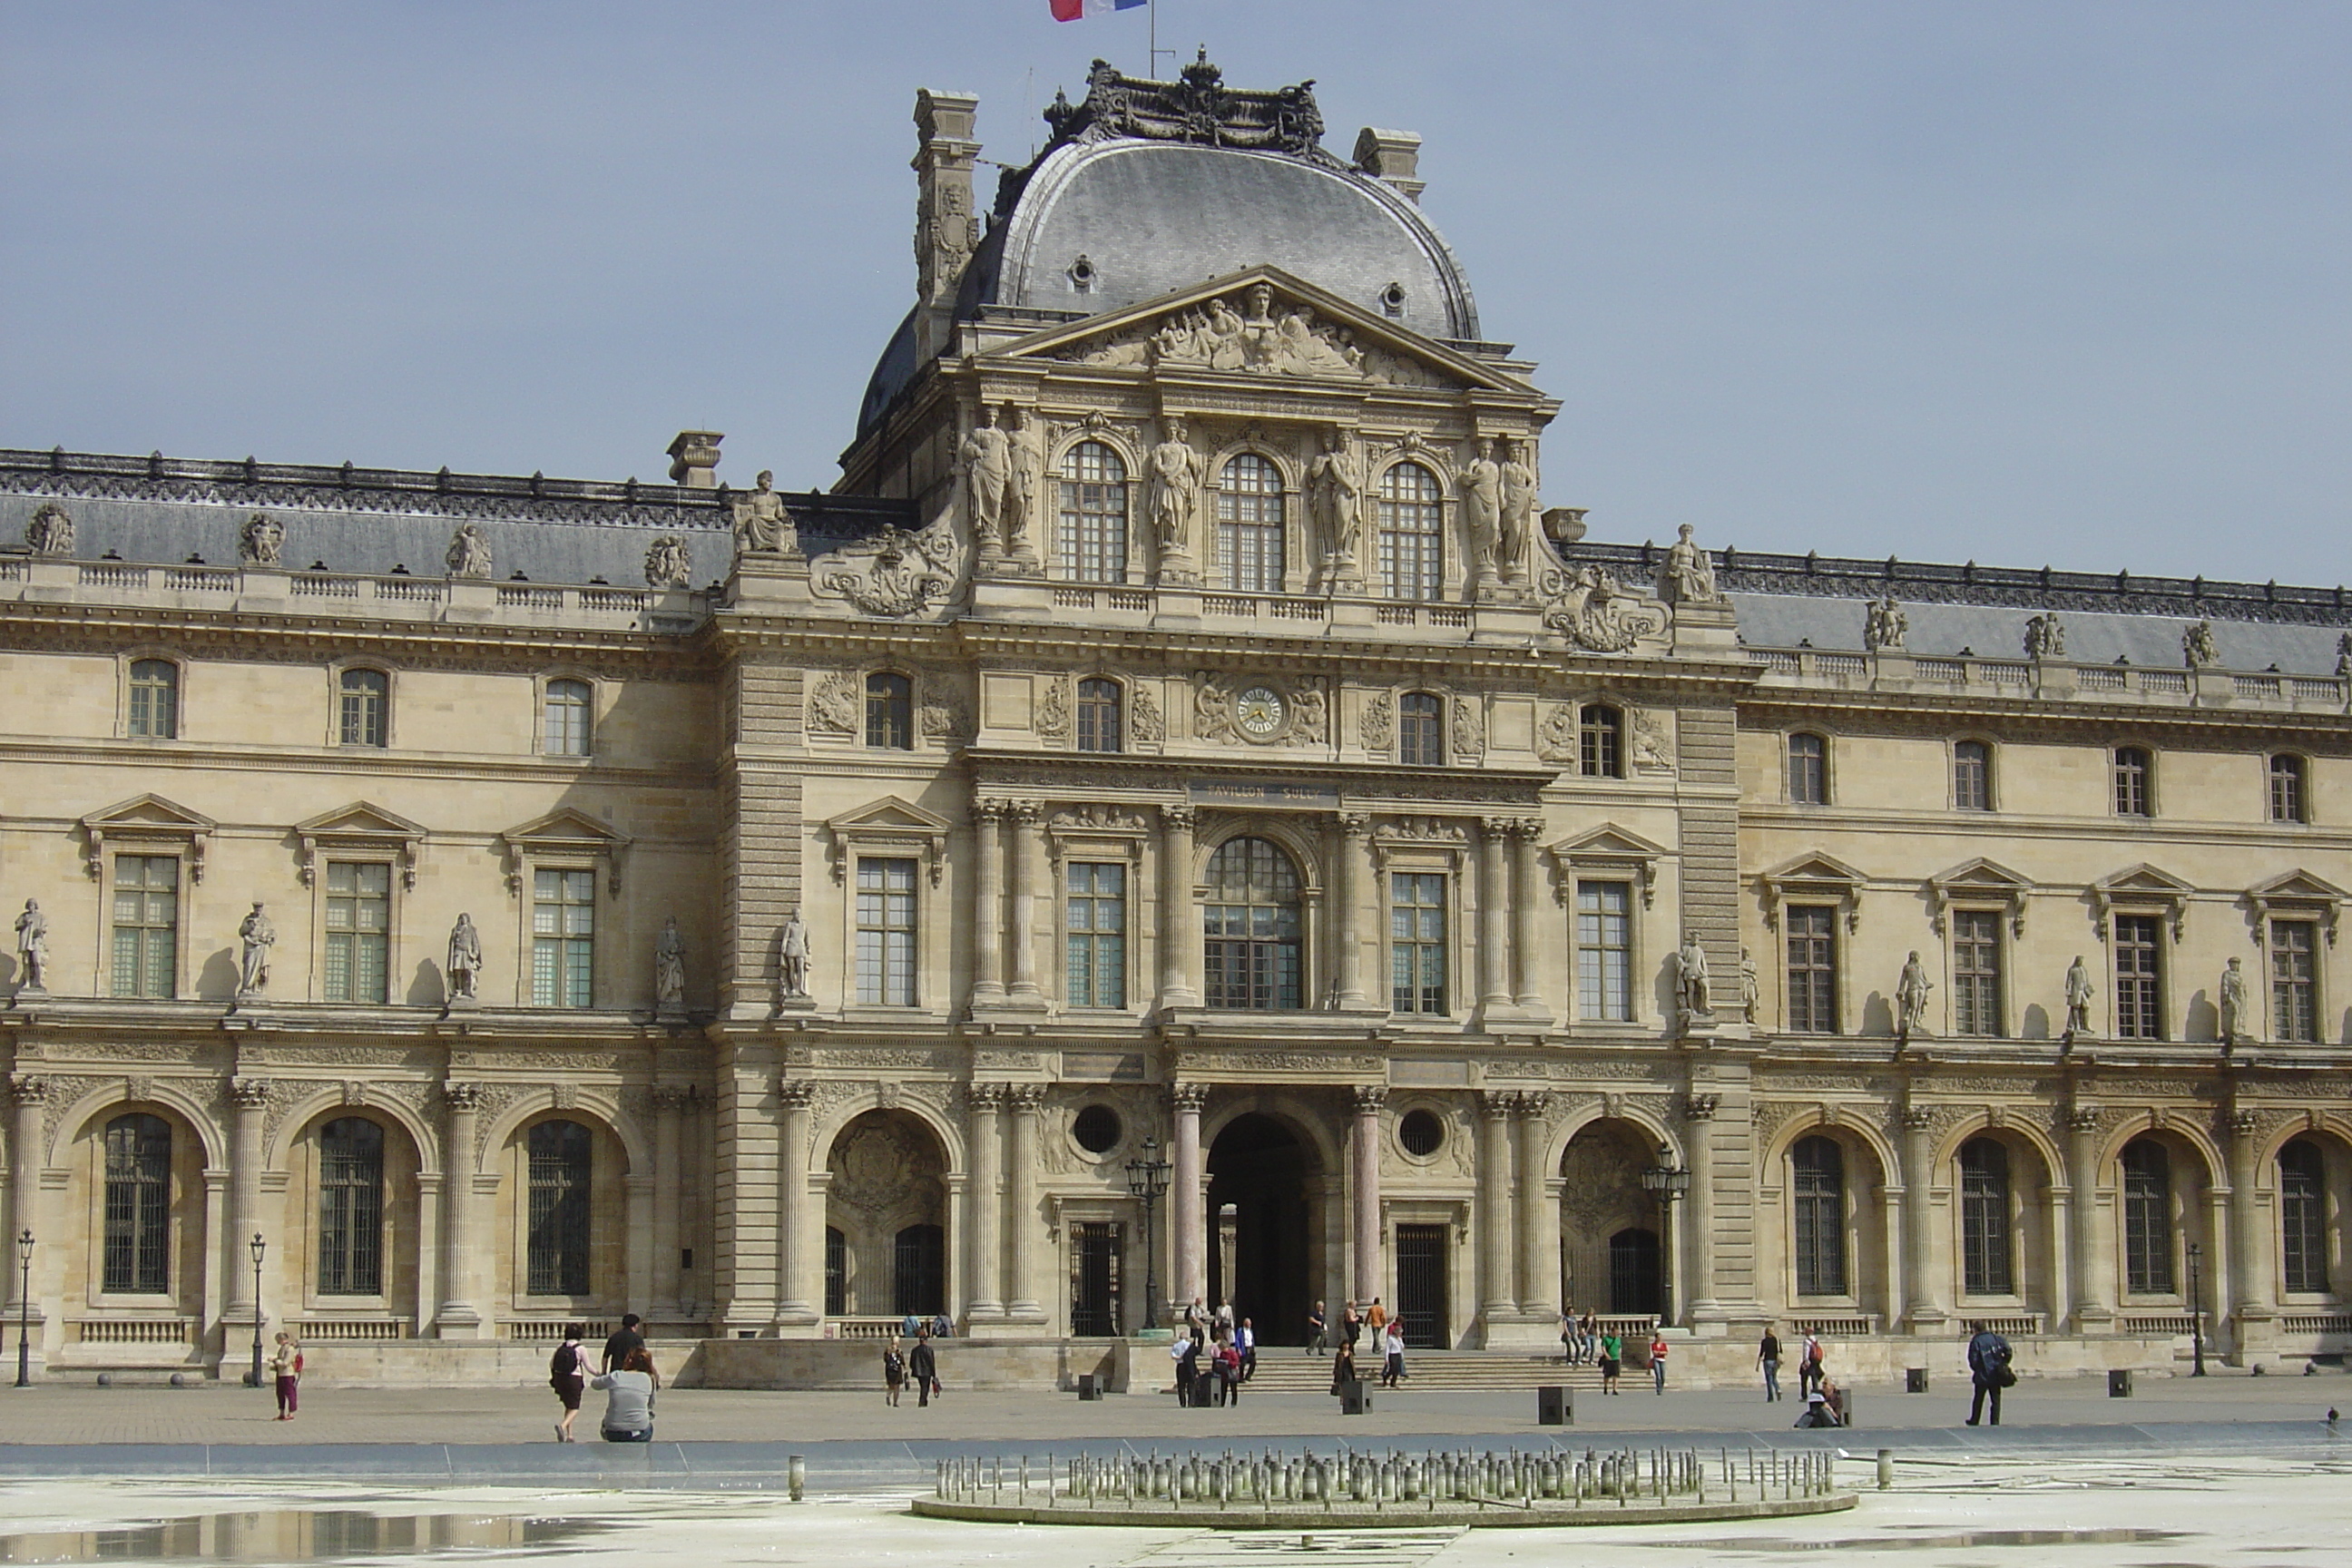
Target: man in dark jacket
1988, 1356
923, 1366
621, 1341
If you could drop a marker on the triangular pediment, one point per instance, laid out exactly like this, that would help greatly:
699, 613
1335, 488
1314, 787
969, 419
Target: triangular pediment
566, 824
2298, 887
1816, 868
2145, 882
1610, 842
151, 812
1982, 876
361, 819
1263, 324
889, 815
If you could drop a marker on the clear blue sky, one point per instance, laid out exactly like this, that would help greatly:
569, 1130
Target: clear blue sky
2026, 283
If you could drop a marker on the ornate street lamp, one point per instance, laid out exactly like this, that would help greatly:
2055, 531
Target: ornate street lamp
259, 1247
25, 1309
1146, 1177
2196, 1315
1668, 1183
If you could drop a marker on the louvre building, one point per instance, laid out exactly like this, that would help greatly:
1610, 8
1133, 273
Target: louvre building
1182, 818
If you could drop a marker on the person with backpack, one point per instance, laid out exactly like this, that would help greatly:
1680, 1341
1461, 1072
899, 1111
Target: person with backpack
923, 1365
1988, 1371
1808, 1364
567, 1374
286, 1365
894, 1373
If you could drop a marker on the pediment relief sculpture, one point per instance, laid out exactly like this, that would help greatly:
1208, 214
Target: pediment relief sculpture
1591, 608
894, 573
1262, 338
1260, 712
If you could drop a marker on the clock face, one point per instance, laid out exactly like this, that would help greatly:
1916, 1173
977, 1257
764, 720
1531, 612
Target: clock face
1258, 712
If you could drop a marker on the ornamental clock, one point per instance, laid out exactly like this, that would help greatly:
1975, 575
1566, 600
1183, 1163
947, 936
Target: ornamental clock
1259, 712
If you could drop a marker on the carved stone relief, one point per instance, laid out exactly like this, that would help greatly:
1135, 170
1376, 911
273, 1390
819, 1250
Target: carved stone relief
1143, 720
1376, 727
1295, 342
1469, 728
1053, 708
1654, 749
1591, 609
1556, 735
832, 704
667, 564
894, 573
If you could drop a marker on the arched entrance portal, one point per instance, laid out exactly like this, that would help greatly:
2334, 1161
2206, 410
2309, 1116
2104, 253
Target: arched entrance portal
885, 1219
1260, 1226
1609, 1226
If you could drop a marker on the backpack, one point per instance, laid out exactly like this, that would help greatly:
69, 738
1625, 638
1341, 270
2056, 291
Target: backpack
298, 1363
1996, 1357
564, 1363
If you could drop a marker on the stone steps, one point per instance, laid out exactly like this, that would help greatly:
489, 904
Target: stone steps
1282, 1369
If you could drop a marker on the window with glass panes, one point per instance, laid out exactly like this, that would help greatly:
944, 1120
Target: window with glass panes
2294, 981
886, 931
1976, 972
1091, 535
364, 719
154, 699
146, 926
138, 1220
2303, 1217
351, 1208
565, 719
2286, 789
1098, 726
1410, 525
1095, 914
2133, 768
563, 938
1984, 1219
2148, 1218
1604, 951
1817, 1170
358, 956
1601, 742
1808, 770
1417, 942
890, 712
1972, 776
561, 1156
1250, 927
1811, 969
1421, 730
1249, 526
2139, 978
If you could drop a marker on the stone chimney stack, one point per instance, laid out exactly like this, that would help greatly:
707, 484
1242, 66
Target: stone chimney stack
1393, 156
946, 226
694, 459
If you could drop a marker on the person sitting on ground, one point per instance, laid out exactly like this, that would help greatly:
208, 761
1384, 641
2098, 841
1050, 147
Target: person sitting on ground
628, 1399
1817, 1412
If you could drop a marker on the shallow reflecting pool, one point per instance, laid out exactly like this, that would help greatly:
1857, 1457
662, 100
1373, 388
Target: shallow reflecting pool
295, 1535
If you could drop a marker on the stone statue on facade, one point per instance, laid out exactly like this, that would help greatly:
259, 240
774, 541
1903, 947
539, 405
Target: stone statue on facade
987, 458
1911, 988
2233, 1003
465, 966
1694, 997
762, 526
1884, 625
469, 553
793, 949
1689, 576
1481, 488
669, 968
256, 936
1177, 472
1752, 993
2079, 994
2198, 648
667, 564
262, 541
2045, 637
1335, 492
50, 531
2344, 656
1026, 482
1520, 507
32, 948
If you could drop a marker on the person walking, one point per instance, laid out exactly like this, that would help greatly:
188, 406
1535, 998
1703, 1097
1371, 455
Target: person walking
1988, 1371
1808, 1364
1229, 1372
1658, 1360
1612, 1351
1351, 1329
1768, 1356
923, 1366
1567, 1335
1245, 1341
1588, 1339
894, 1373
629, 1336
567, 1374
1376, 1317
1196, 1319
1343, 1368
1187, 1351
286, 1366
628, 1400
1391, 1354
1319, 1332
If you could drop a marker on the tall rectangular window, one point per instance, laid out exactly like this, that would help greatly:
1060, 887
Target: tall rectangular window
1090, 537
562, 1157
1604, 951
2303, 1217
146, 926
885, 932
1421, 730
351, 1208
2132, 770
2139, 978
2286, 789
1986, 1256
154, 699
1249, 526
1972, 776
365, 716
2148, 1219
1601, 742
1417, 942
1409, 509
563, 938
1808, 770
565, 717
1812, 969
1817, 1166
136, 1256
1096, 916
359, 932
1098, 726
1976, 972
2294, 983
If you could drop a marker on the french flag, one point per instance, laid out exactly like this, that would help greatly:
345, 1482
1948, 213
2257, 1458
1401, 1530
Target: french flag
1071, 10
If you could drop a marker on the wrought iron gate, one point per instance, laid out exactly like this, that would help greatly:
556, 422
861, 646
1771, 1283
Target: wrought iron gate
1095, 1247
1421, 1285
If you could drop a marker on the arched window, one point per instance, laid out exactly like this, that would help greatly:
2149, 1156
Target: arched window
1099, 729
1971, 775
918, 1279
1091, 537
2287, 799
2302, 1215
366, 711
561, 1162
351, 1208
138, 1205
1413, 560
1421, 729
563, 731
2135, 771
1808, 770
1249, 526
1817, 1166
1601, 742
890, 712
1251, 925
155, 699
1984, 1218
2148, 1218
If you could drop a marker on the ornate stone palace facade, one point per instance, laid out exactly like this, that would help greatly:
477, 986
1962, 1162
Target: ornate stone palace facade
1183, 730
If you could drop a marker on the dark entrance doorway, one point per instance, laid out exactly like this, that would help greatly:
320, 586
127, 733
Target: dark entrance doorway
1093, 1277
1421, 1285
1633, 1274
1257, 1217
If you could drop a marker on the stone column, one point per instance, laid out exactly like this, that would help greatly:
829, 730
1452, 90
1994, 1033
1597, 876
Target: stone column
1922, 1314
1028, 845
1021, 1184
2094, 1267
987, 1257
250, 1097
667, 1100
988, 902
637, 1199
1695, 1265
1179, 917
27, 1096
1367, 1275
1493, 916
2250, 1261
458, 1317
1495, 1237
1354, 827
799, 1299
1527, 901
1186, 1195
1539, 1286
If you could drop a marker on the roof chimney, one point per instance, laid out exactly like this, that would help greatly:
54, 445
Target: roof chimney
1393, 156
946, 228
694, 459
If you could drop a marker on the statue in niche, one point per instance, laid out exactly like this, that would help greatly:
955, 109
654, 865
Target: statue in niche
667, 564
1689, 576
762, 526
465, 966
1334, 483
1026, 481
793, 949
669, 968
2198, 648
1177, 472
1884, 625
987, 458
50, 531
469, 553
1480, 486
1911, 988
2233, 1003
1751, 992
32, 948
1693, 992
1518, 510
2045, 637
256, 936
2079, 994
262, 541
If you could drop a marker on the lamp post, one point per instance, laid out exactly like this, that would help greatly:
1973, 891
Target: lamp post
259, 1247
1667, 1183
1146, 1178
2196, 1315
25, 1309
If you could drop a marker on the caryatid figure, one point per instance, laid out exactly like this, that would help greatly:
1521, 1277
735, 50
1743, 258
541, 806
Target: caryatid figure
1336, 489
1025, 483
987, 458
1481, 507
1177, 472
1518, 514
